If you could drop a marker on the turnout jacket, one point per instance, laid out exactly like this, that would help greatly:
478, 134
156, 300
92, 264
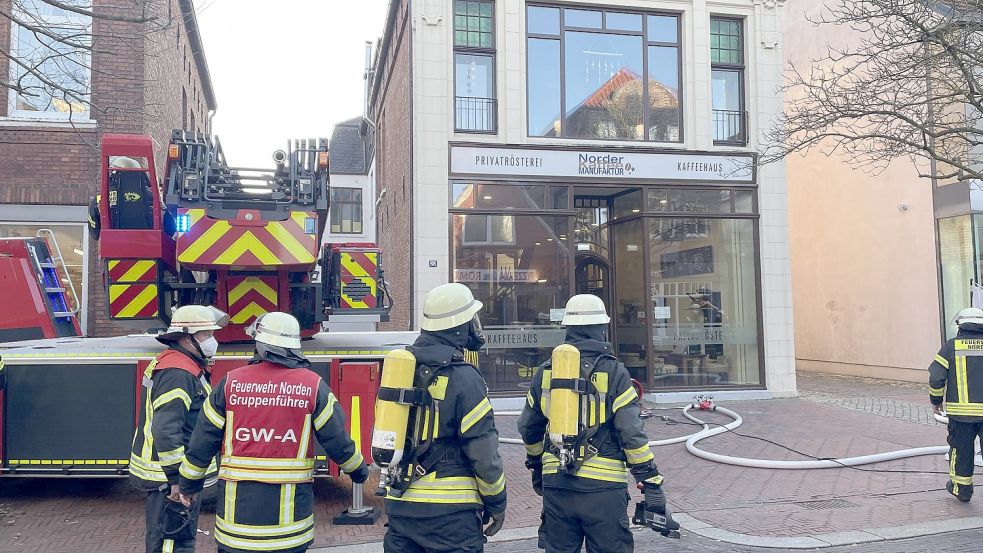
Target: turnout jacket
457, 435
175, 386
612, 407
263, 417
956, 375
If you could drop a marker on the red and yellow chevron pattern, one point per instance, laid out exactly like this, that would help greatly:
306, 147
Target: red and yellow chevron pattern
133, 301
251, 296
132, 270
358, 279
247, 243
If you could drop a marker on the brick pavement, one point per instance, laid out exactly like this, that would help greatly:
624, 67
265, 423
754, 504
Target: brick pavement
56, 516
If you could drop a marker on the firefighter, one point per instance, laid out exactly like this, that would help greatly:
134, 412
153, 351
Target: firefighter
263, 417
175, 386
130, 217
585, 495
956, 385
452, 482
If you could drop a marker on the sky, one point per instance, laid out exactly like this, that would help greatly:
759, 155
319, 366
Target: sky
286, 69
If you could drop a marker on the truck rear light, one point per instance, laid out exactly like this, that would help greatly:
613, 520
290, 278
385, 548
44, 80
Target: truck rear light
322, 160
172, 151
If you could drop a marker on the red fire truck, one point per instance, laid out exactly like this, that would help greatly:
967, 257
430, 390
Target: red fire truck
244, 240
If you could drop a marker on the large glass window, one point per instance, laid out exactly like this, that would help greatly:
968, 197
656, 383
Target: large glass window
474, 66
54, 74
518, 266
703, 290
603, 74
346, 210
956, 252
727, 80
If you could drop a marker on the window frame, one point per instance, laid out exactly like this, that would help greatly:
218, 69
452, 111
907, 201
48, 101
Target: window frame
69, 20
492, 53
646, 44
340, 203
741, 70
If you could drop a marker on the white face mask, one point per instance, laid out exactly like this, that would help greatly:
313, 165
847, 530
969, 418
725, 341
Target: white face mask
208, 346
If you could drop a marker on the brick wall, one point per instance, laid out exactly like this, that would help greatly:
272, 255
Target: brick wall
394, 150
139, 72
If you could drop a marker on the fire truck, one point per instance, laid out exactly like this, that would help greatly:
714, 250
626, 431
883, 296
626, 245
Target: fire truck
245, 240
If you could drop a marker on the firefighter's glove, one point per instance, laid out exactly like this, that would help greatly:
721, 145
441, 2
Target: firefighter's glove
655, 498
535, 466
646, 473
496, 519
360, 475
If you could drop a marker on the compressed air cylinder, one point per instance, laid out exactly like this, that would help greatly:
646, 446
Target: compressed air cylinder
564, 408
391, 418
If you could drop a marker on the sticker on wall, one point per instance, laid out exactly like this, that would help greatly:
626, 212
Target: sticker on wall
432, 263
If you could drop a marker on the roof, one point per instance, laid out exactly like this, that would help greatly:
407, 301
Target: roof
351, 148
191, 23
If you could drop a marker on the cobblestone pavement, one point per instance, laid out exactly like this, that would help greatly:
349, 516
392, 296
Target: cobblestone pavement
835, 417
962, 542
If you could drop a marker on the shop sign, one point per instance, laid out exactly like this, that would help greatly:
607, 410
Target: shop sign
504, 274
569, 162
515, 338
702, 336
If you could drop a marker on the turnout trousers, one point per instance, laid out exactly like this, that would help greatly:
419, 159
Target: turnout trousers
457, 532
962, 453
600, 518
155, 505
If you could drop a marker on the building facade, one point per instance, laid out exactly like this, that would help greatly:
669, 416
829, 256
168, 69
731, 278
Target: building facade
351, 215
593, 147
143, 78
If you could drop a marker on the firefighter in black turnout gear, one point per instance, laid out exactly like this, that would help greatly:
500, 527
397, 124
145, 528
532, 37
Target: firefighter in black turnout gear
579, 466
956, 384
450, 479
175, 386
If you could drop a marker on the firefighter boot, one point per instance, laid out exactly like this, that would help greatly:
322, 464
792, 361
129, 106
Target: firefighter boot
962, 493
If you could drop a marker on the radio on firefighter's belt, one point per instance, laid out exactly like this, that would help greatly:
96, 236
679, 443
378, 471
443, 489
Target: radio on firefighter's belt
566, 390
392, 415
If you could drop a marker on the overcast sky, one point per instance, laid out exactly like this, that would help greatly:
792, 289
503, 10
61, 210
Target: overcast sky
285, 69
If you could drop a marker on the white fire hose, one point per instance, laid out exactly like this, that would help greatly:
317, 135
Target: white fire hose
707, 432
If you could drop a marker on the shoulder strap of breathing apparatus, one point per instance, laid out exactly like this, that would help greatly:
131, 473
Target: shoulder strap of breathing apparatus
589, 434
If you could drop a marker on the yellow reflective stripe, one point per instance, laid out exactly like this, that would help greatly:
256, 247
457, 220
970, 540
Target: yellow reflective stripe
168, 546
529, 400
176, 393
191, 471
472, 418
212, 415
287, 240
305, 439
353, 462
625, 398
962, 380
230, 500
265, 463
596, 468
495, 488
267, 476
287, 496
452, 489
145, 473
534, 449
936, 392
325, 415
228, 431
230, 527
970, 409
171, 457
264, 545
639, 455
942, 361
205, 241
655, 480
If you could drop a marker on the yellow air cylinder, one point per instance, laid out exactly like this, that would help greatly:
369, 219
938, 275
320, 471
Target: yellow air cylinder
564, 408
391, 418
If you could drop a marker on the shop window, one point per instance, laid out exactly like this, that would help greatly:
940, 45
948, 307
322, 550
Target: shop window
475, 106
498, 196
727, 81
488, 229
703, 288
618, 80
522, 284
346, 210
59, 84
958, 268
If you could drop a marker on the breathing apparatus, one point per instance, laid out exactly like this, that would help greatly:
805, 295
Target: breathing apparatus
566, 387
394, 401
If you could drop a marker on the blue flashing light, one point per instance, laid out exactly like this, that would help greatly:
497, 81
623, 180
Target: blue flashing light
183, 223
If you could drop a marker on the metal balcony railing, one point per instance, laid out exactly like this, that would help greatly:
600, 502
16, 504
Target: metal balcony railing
729, 127
475, 114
